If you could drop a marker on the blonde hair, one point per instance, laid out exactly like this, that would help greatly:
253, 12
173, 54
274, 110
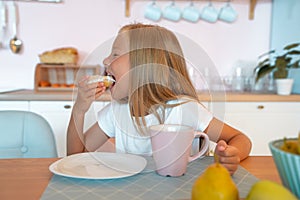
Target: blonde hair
158, 71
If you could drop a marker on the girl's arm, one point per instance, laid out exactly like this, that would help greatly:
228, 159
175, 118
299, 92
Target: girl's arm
232, 145
77, 141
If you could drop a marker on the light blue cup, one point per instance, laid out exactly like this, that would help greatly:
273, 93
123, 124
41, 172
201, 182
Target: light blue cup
191, 13
172, 12
209, 13
153, 12
228, 14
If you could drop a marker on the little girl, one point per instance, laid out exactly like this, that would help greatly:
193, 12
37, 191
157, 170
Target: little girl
152, 87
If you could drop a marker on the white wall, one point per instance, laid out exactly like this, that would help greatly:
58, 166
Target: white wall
85, 24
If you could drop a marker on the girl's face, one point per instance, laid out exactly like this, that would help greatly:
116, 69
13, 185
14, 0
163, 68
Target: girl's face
117, 65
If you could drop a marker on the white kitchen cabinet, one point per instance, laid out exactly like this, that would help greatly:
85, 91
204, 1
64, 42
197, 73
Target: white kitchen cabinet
14, 105
58, 114
262, 121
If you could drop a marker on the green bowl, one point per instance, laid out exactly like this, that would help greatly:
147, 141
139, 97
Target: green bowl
288, 166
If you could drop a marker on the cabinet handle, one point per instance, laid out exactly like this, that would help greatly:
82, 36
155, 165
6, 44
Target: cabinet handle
260, 107
67, 106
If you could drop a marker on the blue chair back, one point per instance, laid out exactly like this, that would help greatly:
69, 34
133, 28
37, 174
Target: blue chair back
25, 134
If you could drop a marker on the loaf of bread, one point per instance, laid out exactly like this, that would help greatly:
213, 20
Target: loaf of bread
67, 55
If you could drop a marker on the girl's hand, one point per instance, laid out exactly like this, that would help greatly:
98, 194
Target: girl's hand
228, 156
87, 93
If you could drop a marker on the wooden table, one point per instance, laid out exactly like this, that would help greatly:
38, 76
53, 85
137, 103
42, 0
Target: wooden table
28, 178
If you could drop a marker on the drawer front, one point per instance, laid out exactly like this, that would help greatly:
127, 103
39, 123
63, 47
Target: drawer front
14, 105
256, 107
51, 106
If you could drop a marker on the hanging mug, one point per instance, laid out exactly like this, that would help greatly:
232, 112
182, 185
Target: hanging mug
153, 12
209, 13
172, 12
228, 14
191, 13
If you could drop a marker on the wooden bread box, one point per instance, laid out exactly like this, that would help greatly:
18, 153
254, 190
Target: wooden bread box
61, 77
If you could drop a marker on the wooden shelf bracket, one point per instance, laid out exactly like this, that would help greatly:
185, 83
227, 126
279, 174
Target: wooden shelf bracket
252, 9
127, 8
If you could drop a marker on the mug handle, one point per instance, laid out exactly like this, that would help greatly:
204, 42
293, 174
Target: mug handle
204, 148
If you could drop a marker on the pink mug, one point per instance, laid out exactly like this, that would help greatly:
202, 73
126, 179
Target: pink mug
171, 148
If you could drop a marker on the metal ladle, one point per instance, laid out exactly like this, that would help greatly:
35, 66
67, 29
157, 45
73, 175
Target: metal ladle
15, 44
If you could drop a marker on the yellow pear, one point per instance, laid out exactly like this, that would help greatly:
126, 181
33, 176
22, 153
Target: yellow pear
290, 146
265, 189
299, 143
215, 184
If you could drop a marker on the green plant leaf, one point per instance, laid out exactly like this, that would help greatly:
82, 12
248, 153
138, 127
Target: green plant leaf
262, 71
267, 53
294, 52
295, 65
262, 63
291, 46
288, 59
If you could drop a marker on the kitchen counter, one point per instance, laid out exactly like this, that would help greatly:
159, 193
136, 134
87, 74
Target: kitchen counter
31, 95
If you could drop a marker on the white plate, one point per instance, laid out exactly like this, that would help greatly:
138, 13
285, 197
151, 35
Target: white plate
99, 165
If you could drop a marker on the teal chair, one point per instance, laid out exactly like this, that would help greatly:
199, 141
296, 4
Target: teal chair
25, 134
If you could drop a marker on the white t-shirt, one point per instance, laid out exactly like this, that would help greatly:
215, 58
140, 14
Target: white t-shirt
115, 120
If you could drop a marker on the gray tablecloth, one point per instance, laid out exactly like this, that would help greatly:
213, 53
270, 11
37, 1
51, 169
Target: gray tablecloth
143, 186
